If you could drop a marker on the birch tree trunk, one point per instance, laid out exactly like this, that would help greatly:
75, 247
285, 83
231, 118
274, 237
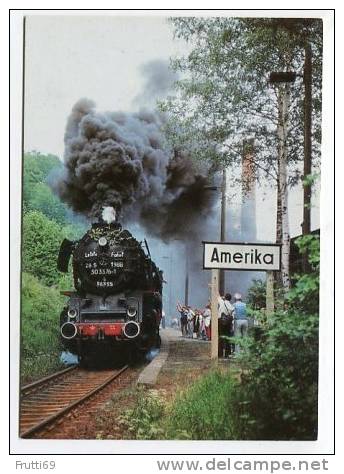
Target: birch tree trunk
282, 212
278, 275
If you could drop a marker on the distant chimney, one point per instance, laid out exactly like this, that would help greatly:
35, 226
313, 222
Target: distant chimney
248, 179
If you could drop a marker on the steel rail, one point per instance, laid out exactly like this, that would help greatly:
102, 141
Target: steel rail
72, 405
42, 381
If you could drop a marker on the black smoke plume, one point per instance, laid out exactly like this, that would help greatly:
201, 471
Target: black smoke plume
122, 160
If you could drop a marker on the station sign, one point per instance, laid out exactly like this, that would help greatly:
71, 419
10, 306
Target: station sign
241, 256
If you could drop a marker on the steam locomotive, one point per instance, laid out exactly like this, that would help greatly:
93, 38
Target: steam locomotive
117, 302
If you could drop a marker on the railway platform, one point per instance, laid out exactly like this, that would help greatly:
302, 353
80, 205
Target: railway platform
177, 354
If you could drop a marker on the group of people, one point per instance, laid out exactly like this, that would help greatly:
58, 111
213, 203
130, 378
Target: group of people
195, 321
232, 321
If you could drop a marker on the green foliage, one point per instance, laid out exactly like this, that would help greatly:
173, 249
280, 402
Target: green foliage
280, 383
40, 165
38, 174
304, 296
37, 194
256, 295
41, 243
43, 200
276, 398
205, 410
32, 174
75, 231
40, 309
223, 95
142, 421
46, 222
310, 179
281, 378
36, 169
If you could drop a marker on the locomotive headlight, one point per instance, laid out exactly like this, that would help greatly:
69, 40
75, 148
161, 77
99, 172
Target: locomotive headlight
131, 312
102, 241
72, 313
68, 330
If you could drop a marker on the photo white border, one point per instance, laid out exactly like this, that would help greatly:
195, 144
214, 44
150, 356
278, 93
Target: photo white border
325, 443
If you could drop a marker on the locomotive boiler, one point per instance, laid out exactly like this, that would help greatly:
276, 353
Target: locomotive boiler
117, 301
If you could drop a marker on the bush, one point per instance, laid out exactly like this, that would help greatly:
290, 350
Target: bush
256, 295
304, 296
41, 244
40, 342
280, 384
281, 380
144, 420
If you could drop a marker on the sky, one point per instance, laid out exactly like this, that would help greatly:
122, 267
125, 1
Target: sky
100, 57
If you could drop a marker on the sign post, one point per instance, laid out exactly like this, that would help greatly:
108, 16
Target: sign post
270, 303
214, 316
241, 256
238, 256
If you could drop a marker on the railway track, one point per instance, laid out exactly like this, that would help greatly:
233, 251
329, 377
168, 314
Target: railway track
45, 401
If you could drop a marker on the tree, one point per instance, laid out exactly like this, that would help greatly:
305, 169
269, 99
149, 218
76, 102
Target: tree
42, 199
38, 171
224, 98
40, 165
41, 243
32, 174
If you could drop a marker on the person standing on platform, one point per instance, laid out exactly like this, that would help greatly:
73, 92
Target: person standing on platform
202, 333
225, 314
240, 319
183, 319
197, 322
207, 321
190, 317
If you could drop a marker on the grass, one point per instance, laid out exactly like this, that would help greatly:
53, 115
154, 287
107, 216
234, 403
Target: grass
33, 368
202, 411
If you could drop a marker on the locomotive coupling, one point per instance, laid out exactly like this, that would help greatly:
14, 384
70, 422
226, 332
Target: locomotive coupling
131, 329
68, 330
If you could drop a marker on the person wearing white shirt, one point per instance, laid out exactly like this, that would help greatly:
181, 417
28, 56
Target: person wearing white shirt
207, 321
190, 316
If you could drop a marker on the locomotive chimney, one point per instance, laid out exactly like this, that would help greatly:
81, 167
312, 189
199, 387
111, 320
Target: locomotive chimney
109, 215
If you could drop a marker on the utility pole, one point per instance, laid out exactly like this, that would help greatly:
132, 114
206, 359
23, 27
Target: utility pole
223, 226
170, 292
214, 315
186, 296
307, 160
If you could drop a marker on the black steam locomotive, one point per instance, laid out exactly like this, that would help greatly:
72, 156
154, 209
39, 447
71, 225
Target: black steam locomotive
117, 302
